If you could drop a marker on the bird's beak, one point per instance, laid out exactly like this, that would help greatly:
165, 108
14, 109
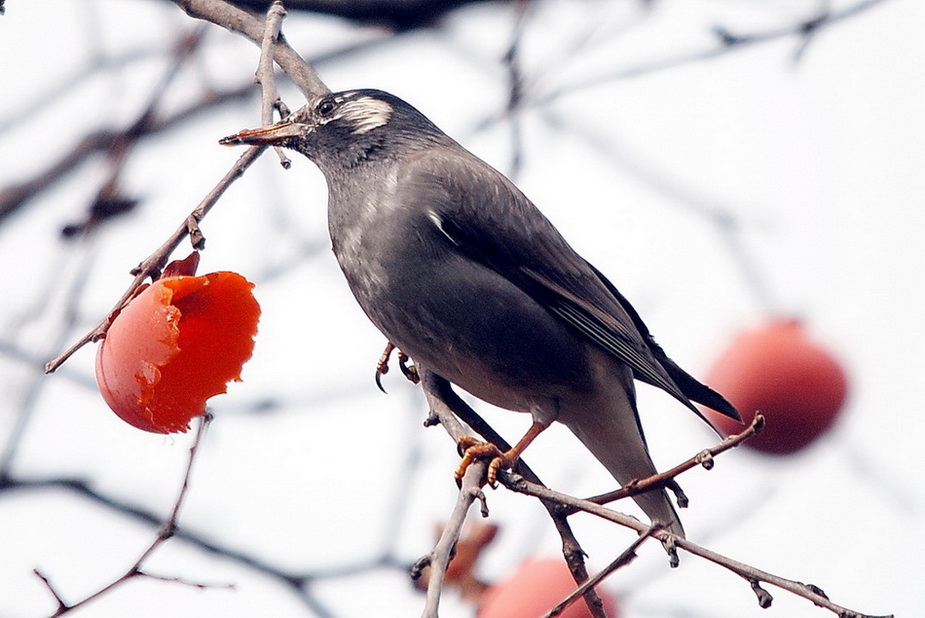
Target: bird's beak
273, 134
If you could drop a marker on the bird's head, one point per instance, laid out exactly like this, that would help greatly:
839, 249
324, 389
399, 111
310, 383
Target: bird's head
346, 128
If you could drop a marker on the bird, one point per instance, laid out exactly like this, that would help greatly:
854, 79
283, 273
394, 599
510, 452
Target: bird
463, 273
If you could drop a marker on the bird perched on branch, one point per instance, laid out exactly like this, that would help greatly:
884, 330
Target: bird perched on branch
462, 272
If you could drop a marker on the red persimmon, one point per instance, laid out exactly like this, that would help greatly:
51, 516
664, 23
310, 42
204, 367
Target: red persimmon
175, 345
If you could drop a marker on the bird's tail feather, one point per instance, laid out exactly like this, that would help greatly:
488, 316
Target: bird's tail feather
614, 436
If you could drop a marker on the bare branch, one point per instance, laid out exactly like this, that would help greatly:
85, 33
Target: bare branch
152, 265
445, 405
704, 458
165, 532
751, 574
396, 14
270, 100
236, 20
627, 556
728, 43
110, 200
13, 197
439, 559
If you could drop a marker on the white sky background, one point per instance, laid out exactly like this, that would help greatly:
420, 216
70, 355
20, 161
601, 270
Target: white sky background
819, 163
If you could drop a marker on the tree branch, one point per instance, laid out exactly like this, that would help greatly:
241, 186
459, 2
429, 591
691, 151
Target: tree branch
628, 555
728, 43
154, 263
444, 403
241, 22
751, 574
445, 406
270, 100
439, 558
166, 531
395, 14
704, 458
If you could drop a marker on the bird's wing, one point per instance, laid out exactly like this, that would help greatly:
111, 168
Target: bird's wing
493, 223
692, 388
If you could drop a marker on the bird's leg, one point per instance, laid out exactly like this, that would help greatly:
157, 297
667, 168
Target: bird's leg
473, 449
409, 371
679, 496
382, 367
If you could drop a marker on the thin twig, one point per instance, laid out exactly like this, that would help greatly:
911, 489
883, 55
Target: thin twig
435, 389
751, 574
728, 43
439, 559
515, 88
445, 406
704, 458
15, 196
154, 263
270, 100
237, 20
110, 200
71, 276
628, 555
165, 532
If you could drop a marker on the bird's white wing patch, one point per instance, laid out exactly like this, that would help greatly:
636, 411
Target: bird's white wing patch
435, 217
364, 114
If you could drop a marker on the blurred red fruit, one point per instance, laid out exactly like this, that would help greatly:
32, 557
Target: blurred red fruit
779, 371
537, 586
460, 573
175, 345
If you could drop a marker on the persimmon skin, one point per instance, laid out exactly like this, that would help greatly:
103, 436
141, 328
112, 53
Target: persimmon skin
536, 587
778, 370
175, 345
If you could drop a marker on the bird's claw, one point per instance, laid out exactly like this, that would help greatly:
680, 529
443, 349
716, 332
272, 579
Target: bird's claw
409, 371
473, 449
382, 366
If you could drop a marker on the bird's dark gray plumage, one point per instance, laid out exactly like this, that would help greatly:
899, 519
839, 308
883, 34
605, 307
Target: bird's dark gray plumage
460, 270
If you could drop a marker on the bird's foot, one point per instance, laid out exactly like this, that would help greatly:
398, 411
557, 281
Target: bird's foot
473, 449
382, 366
409, 371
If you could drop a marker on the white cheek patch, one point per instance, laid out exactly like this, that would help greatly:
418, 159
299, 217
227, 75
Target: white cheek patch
365, 114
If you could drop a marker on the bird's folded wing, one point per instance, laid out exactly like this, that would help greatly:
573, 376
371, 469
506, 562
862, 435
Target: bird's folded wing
494, 224
604, 328
692, 388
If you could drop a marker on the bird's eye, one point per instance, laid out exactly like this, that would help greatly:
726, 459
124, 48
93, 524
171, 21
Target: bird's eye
326, 107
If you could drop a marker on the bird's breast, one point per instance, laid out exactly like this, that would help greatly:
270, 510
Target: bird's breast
460, 318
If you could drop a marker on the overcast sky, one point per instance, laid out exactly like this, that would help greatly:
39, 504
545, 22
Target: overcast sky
310, 469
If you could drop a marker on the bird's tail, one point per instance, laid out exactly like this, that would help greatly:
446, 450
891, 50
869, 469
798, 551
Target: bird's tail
625, 468
613, 434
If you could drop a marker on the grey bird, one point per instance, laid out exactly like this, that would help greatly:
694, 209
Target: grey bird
460, 271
